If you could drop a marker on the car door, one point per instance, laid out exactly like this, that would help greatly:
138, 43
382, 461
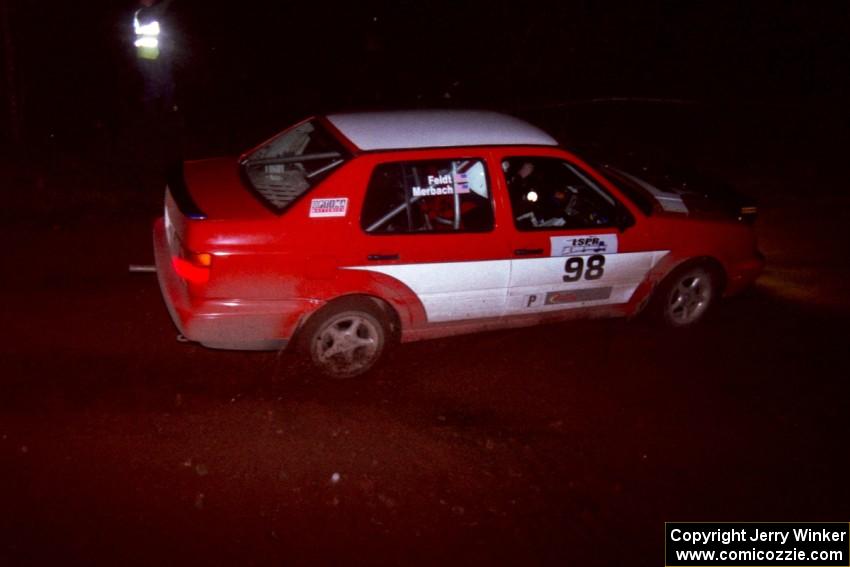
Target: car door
573, 242
427, 221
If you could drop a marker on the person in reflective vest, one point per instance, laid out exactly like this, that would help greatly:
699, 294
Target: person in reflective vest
152, 55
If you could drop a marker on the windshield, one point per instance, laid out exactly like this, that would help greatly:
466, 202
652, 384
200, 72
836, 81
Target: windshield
285, 167
636, 192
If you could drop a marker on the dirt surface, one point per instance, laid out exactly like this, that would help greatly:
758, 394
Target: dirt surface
558, 444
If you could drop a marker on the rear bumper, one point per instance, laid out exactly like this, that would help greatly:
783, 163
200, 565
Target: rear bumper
237, 324
742, 274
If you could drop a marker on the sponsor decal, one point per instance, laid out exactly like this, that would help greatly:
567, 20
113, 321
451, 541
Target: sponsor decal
584, 244
323, 208
568, 296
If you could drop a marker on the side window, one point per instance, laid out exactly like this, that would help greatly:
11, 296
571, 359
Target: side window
428, 196
549, 193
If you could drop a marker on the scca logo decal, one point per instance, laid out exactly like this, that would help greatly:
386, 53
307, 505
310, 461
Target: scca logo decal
328, 207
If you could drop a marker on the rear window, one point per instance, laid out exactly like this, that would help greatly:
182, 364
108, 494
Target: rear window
288, 165
427, 197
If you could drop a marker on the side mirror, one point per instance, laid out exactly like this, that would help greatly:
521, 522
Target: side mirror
623, 219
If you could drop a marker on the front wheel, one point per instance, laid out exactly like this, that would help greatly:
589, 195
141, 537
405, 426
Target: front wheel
347, 339
686, 296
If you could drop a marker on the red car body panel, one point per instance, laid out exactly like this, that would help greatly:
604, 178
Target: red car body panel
268, 273
224, 196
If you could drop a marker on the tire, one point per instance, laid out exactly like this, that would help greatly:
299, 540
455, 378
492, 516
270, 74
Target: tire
686, 296
346, 338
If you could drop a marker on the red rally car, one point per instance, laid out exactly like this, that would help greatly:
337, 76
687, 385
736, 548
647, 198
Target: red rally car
346, 232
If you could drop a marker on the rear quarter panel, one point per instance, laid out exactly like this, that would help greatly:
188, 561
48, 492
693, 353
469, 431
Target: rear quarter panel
294, 256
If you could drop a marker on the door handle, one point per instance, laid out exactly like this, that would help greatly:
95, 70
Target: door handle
379, 257
527, 251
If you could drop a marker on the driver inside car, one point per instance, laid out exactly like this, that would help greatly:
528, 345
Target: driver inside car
534, 201
542, 197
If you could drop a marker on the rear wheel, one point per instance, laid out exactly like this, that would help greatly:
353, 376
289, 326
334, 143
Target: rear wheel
346, 339
686, 296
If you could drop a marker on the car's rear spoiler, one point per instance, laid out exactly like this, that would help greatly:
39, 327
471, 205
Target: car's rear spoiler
180, 193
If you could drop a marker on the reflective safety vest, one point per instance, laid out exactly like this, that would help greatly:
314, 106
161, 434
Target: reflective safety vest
147, 38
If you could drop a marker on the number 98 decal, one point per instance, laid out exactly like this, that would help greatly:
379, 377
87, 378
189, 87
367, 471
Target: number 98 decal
575, 268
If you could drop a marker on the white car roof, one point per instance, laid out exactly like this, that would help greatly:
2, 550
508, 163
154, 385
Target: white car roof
408, 129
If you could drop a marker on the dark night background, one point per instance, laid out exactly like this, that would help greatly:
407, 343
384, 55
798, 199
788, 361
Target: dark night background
249, 68
552, 445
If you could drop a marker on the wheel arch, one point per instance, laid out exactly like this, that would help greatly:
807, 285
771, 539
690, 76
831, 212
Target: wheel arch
390, 314
652, 306
712, 263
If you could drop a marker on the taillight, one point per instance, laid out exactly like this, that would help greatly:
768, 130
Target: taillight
193, 267
203, 259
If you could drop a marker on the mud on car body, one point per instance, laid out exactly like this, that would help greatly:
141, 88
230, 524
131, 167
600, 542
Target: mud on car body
348, 231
